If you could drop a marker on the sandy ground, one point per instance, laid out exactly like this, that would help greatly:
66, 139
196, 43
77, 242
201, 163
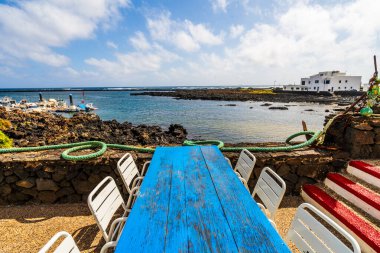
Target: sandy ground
27, 228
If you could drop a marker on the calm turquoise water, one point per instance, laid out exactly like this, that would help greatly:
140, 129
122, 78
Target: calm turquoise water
202, 119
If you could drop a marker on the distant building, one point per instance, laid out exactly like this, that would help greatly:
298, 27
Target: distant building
327, 81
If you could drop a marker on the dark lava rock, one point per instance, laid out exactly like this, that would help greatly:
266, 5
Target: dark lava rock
230, 105
278, 108
266, 104
327, 110
238, 94
309, 110
36, 128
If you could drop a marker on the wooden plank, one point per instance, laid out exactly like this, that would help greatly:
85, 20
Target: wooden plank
176, 237
145, 230
208, 229
250, 227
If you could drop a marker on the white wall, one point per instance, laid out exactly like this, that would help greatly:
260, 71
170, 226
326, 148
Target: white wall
346, 83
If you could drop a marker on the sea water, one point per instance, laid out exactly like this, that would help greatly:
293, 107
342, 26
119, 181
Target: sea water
245, 122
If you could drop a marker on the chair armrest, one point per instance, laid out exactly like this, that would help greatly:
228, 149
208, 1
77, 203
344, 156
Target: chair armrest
244, 182
145, 166
229, 161
273, 224
262, 207
107, 246
136, 182
132, 197
116, 228
53, 240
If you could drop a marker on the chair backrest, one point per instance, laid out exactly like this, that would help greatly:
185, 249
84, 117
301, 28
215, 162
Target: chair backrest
127, 169
103, 202
309, 235
68, 244
245, 164
270, 188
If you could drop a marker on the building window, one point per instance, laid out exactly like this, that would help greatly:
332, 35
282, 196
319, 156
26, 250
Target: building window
303, 82
297, 88
292, 88
351, 88
340, 81
338, 88
309, 82
345, 88
314, 88
346, 81
327, 81
321, 74
316, 81
328, 90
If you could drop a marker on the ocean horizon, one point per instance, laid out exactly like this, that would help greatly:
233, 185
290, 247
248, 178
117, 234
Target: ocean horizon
203, 119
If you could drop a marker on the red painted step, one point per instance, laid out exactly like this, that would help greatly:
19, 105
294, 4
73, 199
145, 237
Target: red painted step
368, 196
367, 168
357, 226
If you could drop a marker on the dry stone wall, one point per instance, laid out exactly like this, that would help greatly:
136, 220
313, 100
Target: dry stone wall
357, 135
44, 177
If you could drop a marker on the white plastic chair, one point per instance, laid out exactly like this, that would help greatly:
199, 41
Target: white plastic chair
103, 202
244, 166
270, 191
68, 244
129, 173
108, 246
309, 235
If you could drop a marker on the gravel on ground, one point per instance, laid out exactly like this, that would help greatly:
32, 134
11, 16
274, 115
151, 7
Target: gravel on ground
27, 228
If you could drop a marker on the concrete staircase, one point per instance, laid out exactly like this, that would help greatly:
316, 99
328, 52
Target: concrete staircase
352, 199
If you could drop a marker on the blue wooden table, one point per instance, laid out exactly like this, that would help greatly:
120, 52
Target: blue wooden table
192, 201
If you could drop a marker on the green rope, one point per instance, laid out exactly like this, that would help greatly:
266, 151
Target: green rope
73, 147
262, 149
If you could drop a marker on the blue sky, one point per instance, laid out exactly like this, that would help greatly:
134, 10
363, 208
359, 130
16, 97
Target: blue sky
60, 43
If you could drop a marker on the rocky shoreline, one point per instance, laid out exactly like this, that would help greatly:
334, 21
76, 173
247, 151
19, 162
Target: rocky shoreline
37, 129
239, 94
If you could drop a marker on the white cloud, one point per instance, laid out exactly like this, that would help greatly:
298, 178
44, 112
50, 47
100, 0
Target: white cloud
236, 31
304, 39
134, 63
32, 29
140, 42
220, 5
111, 44
184, 35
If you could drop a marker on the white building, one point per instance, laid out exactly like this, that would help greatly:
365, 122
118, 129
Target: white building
327, 81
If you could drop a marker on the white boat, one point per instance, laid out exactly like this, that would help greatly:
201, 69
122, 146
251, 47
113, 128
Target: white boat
8, 102
90, 107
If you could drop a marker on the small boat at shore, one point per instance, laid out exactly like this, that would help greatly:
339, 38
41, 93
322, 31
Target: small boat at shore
43, 105
8, 102
86, 107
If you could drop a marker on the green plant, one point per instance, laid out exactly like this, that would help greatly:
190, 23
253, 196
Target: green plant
5, 141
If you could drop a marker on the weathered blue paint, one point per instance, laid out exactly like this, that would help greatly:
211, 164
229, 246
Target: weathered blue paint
191, 201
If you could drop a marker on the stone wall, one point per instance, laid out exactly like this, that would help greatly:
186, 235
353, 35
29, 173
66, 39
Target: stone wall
297, 167
44, 177
357, 135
